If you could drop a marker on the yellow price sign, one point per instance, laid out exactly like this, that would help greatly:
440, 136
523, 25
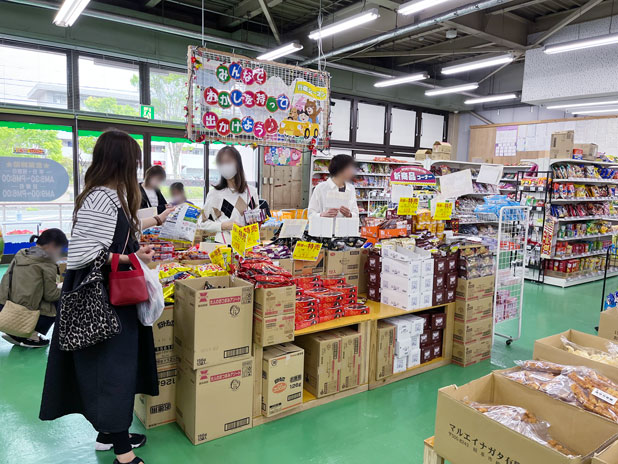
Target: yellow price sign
306, 251
239, 240
444, 211
216, 256
253, 235
407, 206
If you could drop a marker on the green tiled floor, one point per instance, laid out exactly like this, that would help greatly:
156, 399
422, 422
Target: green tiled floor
384, 425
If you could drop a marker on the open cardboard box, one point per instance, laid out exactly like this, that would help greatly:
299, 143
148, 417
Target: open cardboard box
466, 436
552, 349
608, 325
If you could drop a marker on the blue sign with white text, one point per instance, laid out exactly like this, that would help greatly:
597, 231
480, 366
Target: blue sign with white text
31, 179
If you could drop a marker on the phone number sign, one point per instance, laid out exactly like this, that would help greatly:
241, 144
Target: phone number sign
31, 179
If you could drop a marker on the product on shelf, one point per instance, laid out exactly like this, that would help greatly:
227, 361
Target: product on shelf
606, 357
282, 378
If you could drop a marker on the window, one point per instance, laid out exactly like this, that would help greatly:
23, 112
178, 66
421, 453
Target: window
168, 94
432, 129
249, 162
107, 86
33, 77
36, 170
183, 161
340, 119
403, 124
370, 124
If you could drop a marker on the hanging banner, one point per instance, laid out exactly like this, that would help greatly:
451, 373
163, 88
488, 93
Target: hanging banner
233, 98
412, 175
282, 156
31, 179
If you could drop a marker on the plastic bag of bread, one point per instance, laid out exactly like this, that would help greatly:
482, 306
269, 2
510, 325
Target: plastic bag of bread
606, 357
524, 422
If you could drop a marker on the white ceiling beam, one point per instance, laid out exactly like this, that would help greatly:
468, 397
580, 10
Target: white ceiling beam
566, 21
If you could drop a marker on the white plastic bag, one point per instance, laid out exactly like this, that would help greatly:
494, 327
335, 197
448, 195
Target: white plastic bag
150, 310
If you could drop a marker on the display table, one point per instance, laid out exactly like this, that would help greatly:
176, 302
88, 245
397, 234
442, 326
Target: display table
366, 325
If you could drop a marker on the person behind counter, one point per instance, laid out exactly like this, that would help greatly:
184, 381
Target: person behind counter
336, 197
151, 194
228, 201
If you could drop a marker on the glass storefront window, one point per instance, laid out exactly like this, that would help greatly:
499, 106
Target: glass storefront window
183, 162
33, 77
249, 162
168, 94
107, 86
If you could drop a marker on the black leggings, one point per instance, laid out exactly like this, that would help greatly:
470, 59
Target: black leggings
120, 440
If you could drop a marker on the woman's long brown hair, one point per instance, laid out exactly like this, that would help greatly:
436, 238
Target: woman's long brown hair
115, 159
239, 179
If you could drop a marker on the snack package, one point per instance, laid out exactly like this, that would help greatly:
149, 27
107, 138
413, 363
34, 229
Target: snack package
606, 357
524, 422
181, 224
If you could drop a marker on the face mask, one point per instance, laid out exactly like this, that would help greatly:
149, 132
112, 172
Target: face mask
227, 170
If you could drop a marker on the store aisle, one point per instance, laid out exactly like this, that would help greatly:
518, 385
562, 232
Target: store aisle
385, 424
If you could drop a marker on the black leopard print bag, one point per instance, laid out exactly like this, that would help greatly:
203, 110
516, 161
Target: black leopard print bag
85, 315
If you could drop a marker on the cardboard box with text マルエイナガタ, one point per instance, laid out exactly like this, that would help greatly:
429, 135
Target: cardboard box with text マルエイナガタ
475, 289
471, 353
342, 262
350, 358
464, 435
282, 378
214, 401
474, 310
213, 325
322, 362
472, 332
272, 330
153, 411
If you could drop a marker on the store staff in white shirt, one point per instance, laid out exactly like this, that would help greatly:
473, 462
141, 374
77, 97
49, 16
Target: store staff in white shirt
336, 197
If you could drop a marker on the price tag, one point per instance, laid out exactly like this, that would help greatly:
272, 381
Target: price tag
306, 251
253, 235
216, 256
407, 206
444, 211
604, 396
239, 240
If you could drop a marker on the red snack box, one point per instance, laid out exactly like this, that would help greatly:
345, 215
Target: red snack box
308, 282
306, 323
325, 296
329, 282
356, 310
438, 320
346, 289
330, 317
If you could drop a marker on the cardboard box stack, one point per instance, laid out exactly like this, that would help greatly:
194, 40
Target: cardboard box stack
473, 328
212, 334
273, 317
385, 349
562, 144
333, 361
424, 221
282, 378
373, 273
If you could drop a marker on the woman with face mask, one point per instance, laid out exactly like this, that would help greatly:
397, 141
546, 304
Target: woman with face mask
227, 201
31, 282
150, 189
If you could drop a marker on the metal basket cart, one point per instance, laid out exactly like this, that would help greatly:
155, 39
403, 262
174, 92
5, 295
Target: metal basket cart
610, 268
510, 268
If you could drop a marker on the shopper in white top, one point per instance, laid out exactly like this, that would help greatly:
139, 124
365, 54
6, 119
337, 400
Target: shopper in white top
227, 201
336, 197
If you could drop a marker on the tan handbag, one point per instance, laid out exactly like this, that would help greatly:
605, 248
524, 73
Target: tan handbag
16, 319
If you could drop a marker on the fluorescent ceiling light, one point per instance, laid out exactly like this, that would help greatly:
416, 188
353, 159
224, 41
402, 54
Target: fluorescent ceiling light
281, 51
402, 80
345, 24
69, 12
583, 105
606, 110
491, 98
479, 64
581, 44
452, 89
418, 5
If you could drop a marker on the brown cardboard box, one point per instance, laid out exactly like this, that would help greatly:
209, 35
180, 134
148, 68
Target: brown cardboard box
562, 144
385, 349
608, 326
467, 311
362, 271
285, 263
350, 358
153, 411
532, 155
587, 150
309, 267
421, 155
472, 353
275, 301
213, 326
322, 365
552, 349
607, 456
353, 279
342, 262
163, 334
271, 330
282, 378
215, 401
472, 332
474, 289
267, 233
460, 429
443, 148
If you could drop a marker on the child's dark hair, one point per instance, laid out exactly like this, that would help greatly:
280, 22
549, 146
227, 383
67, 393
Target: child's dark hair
55, 236
177, 186
339, 163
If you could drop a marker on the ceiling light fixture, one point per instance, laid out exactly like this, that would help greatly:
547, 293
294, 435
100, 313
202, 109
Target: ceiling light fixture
345, 24
606, 110
582, 105
418, 5
452, 89
478, 64
581, 44
281, 51
491, 98
402, 80
69, 12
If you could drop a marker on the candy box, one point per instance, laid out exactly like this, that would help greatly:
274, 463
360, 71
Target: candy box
329, 282
356, 310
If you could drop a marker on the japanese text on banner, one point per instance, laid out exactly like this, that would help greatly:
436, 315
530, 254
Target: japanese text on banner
307, 251
407, 206
239, 240
216, 256
444, 210
253, 235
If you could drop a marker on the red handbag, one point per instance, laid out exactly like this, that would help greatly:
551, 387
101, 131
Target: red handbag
127, 288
